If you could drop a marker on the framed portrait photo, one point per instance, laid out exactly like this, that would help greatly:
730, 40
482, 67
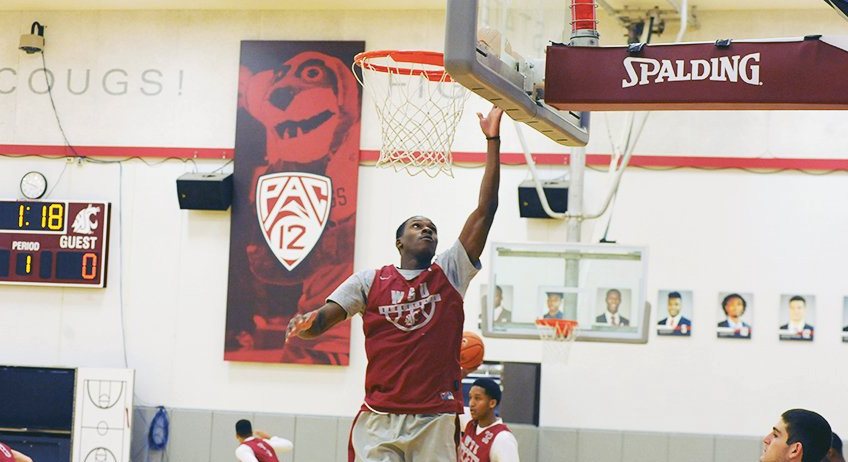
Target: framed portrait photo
735, 312
797, 317
845, 319
498, 314
613, 307
674, 312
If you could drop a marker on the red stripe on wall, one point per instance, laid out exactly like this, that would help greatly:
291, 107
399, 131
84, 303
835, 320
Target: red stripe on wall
121, 152
652, 161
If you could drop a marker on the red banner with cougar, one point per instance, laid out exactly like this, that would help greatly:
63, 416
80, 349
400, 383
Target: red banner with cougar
294, 198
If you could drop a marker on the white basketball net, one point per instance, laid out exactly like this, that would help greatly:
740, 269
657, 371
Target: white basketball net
418, 116
557, 339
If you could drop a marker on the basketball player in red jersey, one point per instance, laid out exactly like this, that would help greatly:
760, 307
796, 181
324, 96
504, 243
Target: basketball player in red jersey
486, 437
8, 454
258, 446
412, 319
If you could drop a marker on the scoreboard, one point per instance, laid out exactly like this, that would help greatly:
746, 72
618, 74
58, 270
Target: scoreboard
54, 243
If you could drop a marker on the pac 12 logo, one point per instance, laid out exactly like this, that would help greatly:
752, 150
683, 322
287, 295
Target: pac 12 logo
292, 209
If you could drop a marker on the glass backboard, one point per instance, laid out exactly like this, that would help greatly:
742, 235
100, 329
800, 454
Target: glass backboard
496, 48
602, 286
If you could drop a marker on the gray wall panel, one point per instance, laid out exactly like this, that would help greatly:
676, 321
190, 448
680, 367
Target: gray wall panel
528, 440
557, 445
142, 415
599, 446
281, 425
342, 437
692, 448
207, 436
645, 447
190, 435
224, 442
737, 449
315, 438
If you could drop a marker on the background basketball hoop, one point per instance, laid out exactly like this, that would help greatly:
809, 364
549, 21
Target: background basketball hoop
557, 337
418, 105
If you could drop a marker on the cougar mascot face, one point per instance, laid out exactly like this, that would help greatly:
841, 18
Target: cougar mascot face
307, 106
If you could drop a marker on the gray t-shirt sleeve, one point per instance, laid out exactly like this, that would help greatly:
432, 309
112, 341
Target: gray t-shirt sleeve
458, 267
353, 292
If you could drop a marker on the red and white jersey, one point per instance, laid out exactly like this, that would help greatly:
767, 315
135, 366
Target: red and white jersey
413, 330
261, 450
6, 453
412, 320
478, 444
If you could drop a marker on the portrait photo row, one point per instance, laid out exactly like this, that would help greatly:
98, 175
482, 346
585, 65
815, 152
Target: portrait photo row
735, 315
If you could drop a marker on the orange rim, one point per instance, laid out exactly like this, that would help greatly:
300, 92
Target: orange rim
563, 326
428, 58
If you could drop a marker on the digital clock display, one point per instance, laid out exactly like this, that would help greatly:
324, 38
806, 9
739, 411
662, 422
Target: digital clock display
54, 243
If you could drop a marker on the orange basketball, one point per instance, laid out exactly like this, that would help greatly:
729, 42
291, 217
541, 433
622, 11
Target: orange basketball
471, 351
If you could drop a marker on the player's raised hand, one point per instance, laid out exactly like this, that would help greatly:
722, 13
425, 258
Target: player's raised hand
299, 324
491, 123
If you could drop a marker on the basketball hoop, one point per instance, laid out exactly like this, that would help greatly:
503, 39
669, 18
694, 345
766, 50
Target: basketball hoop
418, 105
557, 335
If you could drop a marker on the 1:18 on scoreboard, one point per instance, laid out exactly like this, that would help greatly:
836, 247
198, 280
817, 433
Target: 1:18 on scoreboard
54, 243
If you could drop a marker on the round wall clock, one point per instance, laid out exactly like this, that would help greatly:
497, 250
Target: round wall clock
33, 185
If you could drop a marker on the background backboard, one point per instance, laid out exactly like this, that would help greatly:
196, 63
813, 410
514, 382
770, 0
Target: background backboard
583, 274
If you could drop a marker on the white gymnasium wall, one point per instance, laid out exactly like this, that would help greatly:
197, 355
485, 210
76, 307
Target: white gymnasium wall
708, 231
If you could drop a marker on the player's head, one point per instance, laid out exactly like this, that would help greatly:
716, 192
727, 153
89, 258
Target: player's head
674, 303
799, 436
797, 308
498, 295
483, 398
417, 237
244, 429
613, 300
834, 454
554, 301
734, 305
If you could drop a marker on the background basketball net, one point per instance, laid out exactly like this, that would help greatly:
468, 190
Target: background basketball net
418, 105
557, 336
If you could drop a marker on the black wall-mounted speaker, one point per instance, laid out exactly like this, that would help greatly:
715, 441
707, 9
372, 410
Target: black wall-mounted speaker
529, 205
205, 191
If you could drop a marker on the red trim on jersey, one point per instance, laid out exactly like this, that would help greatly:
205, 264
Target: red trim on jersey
262, 450
351, 453
476, 448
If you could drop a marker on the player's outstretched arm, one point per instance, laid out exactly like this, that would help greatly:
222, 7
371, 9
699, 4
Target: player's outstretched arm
476, 229
279, 444
315, 323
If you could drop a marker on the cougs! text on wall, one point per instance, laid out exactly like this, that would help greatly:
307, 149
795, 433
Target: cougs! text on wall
294, 197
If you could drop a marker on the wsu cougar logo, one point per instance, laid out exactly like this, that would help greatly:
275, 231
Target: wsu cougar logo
292, 209
413, 314
84, 222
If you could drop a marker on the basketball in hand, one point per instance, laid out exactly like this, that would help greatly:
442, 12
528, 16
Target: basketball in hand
471, 351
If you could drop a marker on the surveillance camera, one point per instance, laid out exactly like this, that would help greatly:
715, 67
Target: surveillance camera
32, 43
